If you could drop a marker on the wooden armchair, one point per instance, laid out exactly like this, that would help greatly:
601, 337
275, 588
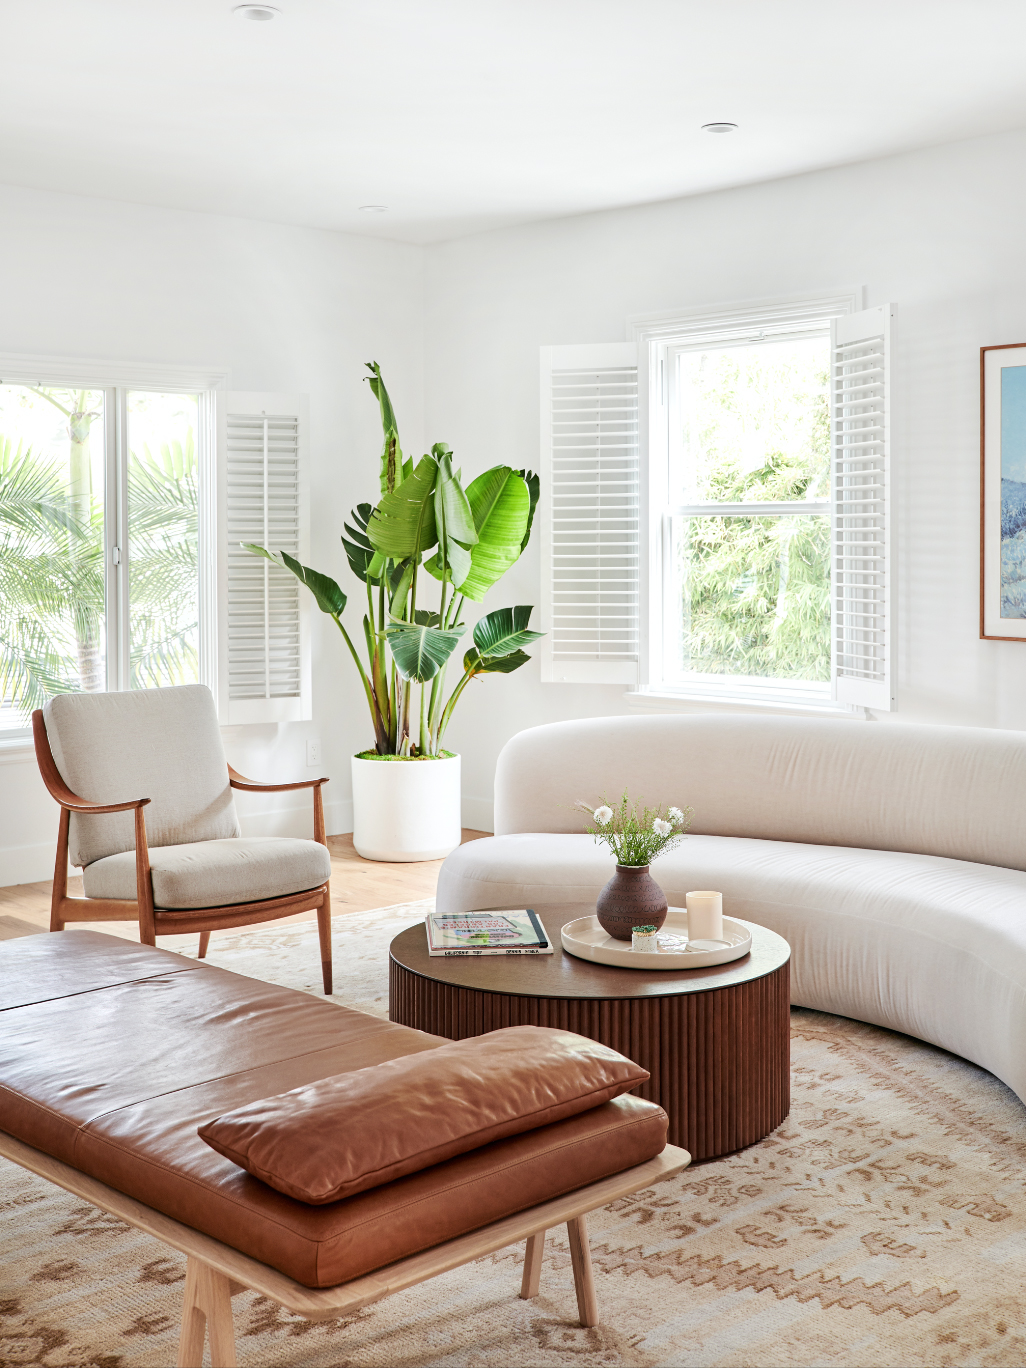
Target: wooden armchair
194, 871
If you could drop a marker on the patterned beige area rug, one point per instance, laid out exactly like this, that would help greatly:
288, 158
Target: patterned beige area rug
884, 1223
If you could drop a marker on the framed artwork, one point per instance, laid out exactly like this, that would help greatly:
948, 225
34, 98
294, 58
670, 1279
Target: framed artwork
1003, 492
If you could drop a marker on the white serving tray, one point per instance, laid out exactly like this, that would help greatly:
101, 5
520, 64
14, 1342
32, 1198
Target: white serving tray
586, 939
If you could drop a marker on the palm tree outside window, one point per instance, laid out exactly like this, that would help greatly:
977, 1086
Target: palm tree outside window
99, 542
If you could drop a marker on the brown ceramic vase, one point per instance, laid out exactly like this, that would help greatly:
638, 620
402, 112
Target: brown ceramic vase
631, 898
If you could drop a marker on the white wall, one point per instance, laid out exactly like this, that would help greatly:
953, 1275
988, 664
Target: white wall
937, 232
281, 308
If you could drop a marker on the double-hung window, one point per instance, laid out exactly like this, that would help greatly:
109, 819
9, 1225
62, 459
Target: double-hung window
122, 506
721, 517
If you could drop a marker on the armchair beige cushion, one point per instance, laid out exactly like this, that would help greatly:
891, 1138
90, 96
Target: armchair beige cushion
170, 852
215, 873
161, 744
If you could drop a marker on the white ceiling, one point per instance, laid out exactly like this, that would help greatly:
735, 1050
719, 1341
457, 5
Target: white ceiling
468, 114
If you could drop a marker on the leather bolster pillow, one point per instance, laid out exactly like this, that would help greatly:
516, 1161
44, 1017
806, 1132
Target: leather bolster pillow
342, 1135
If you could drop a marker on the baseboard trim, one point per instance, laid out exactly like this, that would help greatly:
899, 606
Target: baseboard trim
28, 863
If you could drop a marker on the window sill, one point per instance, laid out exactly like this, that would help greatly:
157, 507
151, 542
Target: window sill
667, 699
16, 750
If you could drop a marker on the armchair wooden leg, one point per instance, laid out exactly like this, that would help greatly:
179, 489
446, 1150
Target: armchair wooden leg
144, 882
584, 1280
60, 872
532, 1265
207, 1311
204, 942
324, 931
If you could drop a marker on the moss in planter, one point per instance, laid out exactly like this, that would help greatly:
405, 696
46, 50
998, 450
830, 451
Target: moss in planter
373, 755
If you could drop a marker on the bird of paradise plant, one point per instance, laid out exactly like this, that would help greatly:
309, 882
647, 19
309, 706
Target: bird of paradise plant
426, 525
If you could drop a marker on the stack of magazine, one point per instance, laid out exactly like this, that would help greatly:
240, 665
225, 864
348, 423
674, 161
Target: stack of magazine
486, 933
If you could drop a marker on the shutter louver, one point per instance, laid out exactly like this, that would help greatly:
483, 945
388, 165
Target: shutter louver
264, 657
863, 514
591, 511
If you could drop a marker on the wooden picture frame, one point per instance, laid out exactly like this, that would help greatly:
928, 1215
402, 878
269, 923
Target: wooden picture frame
1003, 492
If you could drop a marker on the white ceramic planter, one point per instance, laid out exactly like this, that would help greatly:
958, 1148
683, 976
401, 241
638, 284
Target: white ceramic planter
406, 809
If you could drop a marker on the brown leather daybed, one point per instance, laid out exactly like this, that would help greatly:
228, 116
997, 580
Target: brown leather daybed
113, 1055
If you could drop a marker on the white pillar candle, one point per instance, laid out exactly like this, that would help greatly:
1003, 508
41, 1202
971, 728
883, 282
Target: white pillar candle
705, 915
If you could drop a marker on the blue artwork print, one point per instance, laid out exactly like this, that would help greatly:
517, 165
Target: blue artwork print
1013, 491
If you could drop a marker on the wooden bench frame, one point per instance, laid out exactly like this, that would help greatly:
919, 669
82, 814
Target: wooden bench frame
215, 1272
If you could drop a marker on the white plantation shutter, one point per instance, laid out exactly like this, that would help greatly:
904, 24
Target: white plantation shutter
863, 510
590, 509
264, 667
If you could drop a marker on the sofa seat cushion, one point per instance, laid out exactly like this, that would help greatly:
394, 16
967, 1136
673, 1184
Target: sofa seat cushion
116, 1080
340, 1136
215, 873
923, 944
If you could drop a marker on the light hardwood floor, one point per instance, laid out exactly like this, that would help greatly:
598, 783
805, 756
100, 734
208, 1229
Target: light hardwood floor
357, 885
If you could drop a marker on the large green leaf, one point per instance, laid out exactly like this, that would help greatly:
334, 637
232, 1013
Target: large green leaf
399, 580
392, 466
452, 510
477, 664
364, 561
458, 558
420, 651
404, 522
504, 631
330, 598
501, 504
534, 488
454, 522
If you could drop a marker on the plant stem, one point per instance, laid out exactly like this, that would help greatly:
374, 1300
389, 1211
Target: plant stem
435, 709
380, 733
468, 675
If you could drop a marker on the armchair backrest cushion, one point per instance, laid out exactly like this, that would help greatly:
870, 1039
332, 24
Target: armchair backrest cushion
161, 744
953, 791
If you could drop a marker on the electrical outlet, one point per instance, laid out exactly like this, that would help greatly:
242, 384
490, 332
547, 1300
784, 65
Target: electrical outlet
313, 753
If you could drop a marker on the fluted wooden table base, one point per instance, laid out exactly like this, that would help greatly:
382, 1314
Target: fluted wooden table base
716, 1042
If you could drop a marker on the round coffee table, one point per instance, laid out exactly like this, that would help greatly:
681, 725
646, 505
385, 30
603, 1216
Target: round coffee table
716, 1041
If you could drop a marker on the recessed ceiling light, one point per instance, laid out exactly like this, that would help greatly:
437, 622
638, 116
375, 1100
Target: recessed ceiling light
719, 128
259, 14
373, 208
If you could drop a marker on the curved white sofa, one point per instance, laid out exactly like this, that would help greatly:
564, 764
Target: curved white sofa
891, 857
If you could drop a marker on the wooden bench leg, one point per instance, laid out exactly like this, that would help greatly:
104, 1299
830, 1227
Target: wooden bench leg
532, 1265
584, 1281
207, 1310
204, 942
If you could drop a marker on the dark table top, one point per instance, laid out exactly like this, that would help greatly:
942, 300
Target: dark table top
560, 975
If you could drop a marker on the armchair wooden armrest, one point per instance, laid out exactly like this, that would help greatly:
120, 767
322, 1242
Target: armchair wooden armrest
61, 904
56, 786
239, 781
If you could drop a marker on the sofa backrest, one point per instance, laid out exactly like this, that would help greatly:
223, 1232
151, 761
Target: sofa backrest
954, 791
161, 744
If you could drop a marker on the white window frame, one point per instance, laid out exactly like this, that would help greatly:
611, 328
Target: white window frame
660, 338
116, 379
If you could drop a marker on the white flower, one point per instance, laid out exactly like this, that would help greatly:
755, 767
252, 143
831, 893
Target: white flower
603, 815
661, 828
675, 815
